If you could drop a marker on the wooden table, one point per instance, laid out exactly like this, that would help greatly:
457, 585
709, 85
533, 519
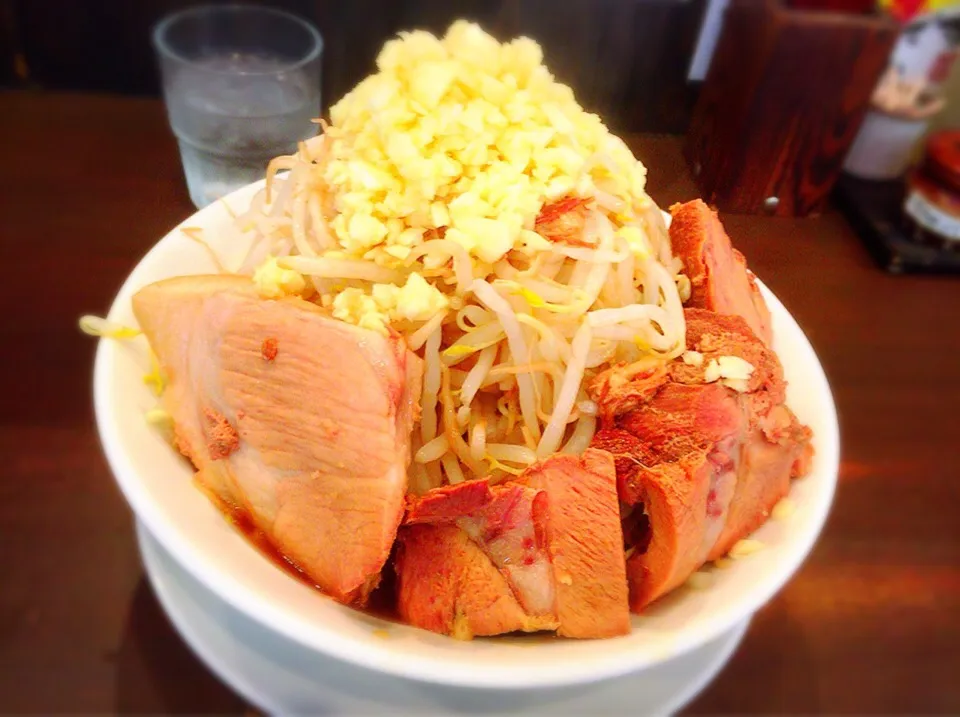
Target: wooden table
870, 624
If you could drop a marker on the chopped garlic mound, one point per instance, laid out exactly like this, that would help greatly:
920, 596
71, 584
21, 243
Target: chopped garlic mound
469, 136
745, 547
275, 282
416, 300
459, 138
732, 371
356, 307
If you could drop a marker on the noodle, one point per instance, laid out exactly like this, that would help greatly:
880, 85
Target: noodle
419, 337
477, 374
452, 468
434, 474
432, 450
299, 231
452, 430
511, 453
461, 260
581, 436
478, 440
572, 380
431, 387
518, 348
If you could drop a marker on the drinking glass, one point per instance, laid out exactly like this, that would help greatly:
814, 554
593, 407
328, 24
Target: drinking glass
241, 85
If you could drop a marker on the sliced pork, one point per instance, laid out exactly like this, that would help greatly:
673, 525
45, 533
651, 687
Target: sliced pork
542, 553
665, 515
585, 543
472, 561
704, 448
719, 278
298, 420
446, 583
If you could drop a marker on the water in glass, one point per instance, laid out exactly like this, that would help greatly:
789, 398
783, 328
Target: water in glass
232, 114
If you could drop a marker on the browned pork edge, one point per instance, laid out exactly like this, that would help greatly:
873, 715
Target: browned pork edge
309, 442
585, 543
468, 555
699, 465
719, 278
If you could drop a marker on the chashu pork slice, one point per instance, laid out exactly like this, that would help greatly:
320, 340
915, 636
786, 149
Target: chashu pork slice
700, 460
719, 278
291, 417
472, 561
584, 542
542, 553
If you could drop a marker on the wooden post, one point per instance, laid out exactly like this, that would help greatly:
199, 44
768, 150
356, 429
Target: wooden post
782, 101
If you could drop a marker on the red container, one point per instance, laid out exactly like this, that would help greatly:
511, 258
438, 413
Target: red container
932, 206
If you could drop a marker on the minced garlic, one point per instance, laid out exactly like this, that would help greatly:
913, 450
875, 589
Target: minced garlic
469, 136
732, 371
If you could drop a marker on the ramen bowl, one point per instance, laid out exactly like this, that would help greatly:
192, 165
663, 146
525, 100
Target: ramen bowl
158, 484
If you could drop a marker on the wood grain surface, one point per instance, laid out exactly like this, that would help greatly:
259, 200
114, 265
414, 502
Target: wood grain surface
781, 104
870, 624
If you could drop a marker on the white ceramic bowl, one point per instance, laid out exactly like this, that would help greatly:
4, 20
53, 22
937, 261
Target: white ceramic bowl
157, 483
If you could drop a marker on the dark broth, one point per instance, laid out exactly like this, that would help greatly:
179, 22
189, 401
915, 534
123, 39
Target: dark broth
382, 602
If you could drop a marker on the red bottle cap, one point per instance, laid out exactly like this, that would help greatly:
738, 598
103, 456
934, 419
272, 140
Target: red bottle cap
942, 159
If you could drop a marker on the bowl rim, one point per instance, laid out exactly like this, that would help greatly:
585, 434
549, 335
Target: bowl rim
174, 538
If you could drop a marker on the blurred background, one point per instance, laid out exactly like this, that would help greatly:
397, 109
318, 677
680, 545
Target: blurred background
638, 63
783, 104
627, 59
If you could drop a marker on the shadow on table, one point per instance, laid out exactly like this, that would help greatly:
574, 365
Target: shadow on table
156, 671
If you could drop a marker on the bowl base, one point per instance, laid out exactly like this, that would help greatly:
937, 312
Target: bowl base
283, 677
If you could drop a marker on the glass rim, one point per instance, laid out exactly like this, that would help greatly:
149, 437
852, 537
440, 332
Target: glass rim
163, 48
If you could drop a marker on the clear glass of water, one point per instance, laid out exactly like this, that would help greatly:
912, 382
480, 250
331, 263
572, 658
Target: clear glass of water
241, 84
